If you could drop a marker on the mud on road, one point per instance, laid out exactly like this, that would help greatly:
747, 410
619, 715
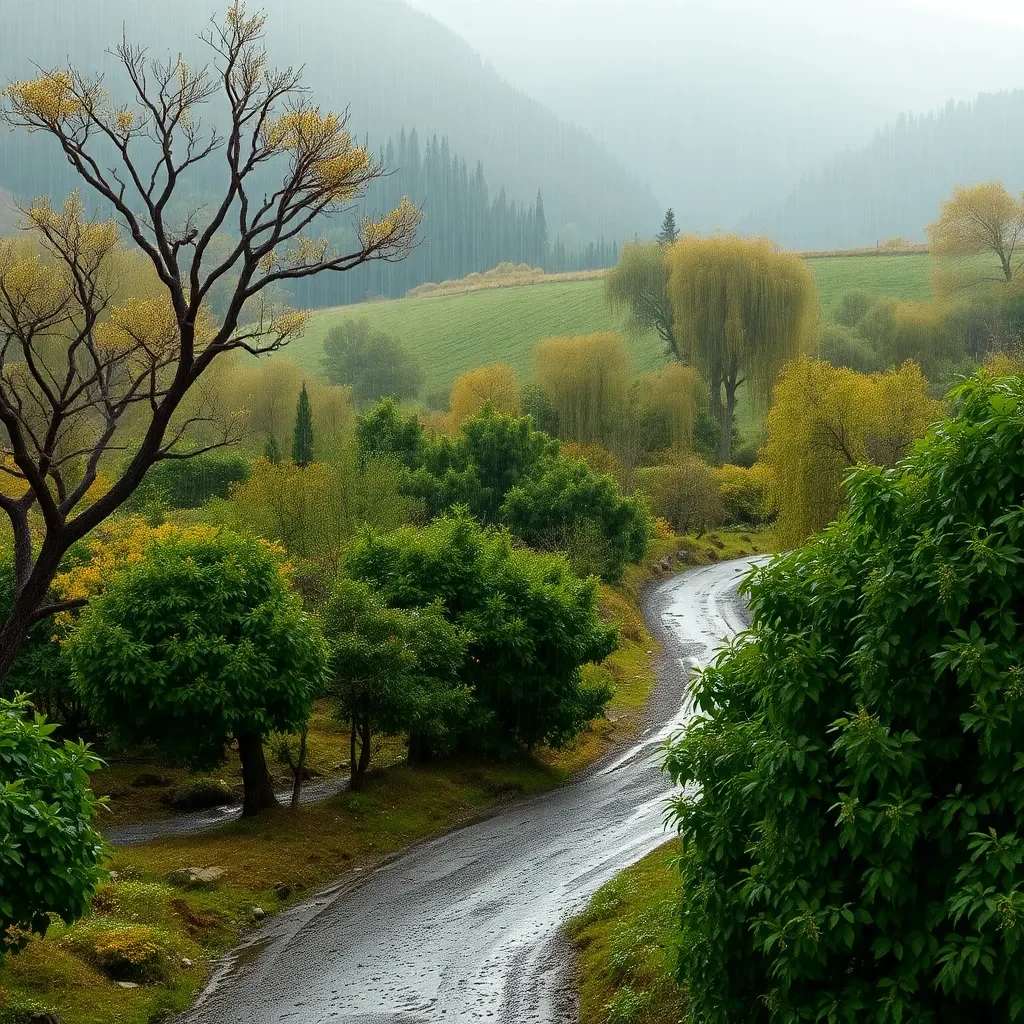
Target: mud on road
466, 928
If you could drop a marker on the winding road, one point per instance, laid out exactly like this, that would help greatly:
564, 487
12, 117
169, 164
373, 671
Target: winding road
465, 928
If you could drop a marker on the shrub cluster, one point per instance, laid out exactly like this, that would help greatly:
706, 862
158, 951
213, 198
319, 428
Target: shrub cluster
852, 845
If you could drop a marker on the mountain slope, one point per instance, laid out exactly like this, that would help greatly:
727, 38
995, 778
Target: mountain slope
894, 185
393, 66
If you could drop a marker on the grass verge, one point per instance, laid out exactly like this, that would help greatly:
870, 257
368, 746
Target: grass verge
627, 946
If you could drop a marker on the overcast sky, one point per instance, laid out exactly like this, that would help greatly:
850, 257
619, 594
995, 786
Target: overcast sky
915, 46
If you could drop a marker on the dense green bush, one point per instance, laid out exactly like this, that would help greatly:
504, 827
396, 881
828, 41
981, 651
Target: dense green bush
684, 494
373, 364
477, 467
852, 845
844, 346
199, 642
394, 670
571, 508
533, 625
385, 433
50, 854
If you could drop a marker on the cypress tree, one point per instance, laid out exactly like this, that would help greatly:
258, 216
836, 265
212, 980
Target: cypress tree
302, 442
669, 232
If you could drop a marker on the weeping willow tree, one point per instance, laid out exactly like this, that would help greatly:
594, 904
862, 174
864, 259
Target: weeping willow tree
679, 394
639, 285
586, 380
825, 420
742, 310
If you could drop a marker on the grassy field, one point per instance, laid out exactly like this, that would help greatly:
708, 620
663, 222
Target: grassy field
454, 333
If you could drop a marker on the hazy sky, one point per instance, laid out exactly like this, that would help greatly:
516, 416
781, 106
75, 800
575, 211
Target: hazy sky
916, 46
761, 91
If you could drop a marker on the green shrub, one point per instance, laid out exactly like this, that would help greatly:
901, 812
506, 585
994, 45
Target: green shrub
571, 508
684, 494
533, 624
852, 845
744, 495
50, 854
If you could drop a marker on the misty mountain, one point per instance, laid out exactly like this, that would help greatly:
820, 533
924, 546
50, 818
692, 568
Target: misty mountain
393, 67
894, 185
724, 106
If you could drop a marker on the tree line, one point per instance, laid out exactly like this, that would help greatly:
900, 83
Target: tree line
466, 228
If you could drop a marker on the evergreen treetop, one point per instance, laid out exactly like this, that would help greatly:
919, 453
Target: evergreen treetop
302, 440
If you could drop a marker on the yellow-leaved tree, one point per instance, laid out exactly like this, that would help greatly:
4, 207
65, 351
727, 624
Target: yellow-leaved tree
679, 394
81, 361
586, 380
496, 385
978, 237
823, 421
742, 309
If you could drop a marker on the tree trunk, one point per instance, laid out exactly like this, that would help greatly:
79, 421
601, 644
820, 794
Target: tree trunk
19, 619
355, 778
299, 769
419, 748
256, 781
727, 414
364, 750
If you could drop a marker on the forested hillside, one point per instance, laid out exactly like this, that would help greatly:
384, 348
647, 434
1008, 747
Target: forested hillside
392, 66
467, 227
894, 185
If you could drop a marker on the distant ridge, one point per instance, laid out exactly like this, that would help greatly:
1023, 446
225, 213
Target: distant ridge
393, 66
894, 185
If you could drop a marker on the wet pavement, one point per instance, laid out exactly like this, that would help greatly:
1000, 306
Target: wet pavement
465, 928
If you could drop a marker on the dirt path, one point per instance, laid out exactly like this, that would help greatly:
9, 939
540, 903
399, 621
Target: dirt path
465, 928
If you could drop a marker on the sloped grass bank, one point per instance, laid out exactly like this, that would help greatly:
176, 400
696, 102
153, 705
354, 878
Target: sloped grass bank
626, 940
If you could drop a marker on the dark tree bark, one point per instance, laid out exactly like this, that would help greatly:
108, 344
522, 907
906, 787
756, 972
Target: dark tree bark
258, 786
419, 748
298, 769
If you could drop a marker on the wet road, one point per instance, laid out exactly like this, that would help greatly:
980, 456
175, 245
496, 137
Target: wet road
465, 928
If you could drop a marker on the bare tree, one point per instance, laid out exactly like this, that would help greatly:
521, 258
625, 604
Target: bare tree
84, 376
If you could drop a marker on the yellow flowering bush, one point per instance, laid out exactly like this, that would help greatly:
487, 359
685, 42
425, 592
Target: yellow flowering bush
130, 954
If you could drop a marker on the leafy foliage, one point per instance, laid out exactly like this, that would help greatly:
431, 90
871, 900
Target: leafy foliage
369, 361
394, 670
490, 455
198, 641
568, 504
533, 624
851, 826
639, 284
191, 482
742, 310
984, 219
302, 438
824, 421
495, 385
586, 380
50, 854
684, 493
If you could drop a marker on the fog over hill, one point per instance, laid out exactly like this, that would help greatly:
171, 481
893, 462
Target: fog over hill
895, 184
394, 66
724, 107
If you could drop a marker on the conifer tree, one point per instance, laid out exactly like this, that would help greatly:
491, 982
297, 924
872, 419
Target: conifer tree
669, 232
302, 441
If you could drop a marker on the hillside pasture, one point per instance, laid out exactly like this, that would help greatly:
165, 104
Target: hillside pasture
454, 333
